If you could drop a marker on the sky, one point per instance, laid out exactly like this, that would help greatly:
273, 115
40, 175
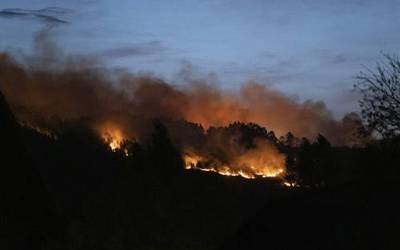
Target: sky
304, 48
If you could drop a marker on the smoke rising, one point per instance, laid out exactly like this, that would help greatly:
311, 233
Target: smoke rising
49, 85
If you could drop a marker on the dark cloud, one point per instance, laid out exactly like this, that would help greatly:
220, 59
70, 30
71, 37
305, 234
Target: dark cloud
339, 58
137, 49
331, 57
268, 55
47, 15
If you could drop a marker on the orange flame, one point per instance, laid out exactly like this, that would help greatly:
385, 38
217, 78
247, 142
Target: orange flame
264, 161
260, 162
112, 135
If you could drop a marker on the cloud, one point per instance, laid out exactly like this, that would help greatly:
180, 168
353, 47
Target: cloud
47, 15
137, 49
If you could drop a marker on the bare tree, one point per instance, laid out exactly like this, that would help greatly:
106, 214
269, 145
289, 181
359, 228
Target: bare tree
380, 102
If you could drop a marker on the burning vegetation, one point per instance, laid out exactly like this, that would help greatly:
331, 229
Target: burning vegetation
259, 159
215, 130
262, 160
246, 170
112, 135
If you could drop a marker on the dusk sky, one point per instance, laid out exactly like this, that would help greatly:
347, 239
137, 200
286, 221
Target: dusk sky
310, 49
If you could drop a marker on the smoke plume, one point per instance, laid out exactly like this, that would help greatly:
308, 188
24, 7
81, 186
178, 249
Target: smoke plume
50, 86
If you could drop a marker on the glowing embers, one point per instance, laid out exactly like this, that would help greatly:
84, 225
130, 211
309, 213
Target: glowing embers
41, 130
235, 168
191, 160
112, 135
114, 139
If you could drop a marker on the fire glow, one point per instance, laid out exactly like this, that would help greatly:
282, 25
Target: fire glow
112, 136
263, 160
242, 166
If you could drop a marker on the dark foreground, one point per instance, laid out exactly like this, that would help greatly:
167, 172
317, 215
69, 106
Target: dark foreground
74, 193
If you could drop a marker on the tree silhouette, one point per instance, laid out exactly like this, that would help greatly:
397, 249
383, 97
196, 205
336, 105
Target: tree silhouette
163, 156
380, 103
322, 163
305, 164
289, 143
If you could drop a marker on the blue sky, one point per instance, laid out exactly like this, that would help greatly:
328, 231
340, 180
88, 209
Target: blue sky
308, 49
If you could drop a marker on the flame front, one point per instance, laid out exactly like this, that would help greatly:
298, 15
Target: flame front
262, 161
252, 164
191, 160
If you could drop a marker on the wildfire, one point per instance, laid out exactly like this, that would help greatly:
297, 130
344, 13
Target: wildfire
262, 161
112, 135
193, 161
40, 130
114, 144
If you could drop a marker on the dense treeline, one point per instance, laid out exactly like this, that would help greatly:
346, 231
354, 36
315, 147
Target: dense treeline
69, 190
